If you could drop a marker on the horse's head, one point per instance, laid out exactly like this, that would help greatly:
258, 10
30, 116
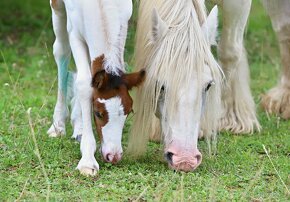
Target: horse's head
111, 105
184, 86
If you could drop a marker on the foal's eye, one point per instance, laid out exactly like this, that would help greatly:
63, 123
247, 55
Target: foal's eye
209, 85
99, 115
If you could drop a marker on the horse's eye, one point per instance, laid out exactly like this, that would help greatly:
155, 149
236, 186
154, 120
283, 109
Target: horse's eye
99, 115
209, 85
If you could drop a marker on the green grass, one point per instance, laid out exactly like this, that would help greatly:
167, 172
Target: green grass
241, 170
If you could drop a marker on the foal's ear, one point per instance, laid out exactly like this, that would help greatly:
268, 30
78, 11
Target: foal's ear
99, 79
134, 79
159, 27
98, 73
210, 26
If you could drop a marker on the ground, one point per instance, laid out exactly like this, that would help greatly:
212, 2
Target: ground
44, 169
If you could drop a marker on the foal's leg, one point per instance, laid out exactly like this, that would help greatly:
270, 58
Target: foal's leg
277, 100
62, 54
76, 119
239, 114
88, 164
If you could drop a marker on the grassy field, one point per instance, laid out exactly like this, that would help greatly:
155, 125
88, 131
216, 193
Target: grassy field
44, 169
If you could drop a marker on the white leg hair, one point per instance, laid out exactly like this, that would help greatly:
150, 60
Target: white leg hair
277, 100
239, 114
62, 55
88, 164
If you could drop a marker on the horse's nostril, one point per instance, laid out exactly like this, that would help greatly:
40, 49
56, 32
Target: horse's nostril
168, 156
108, 157
198, 158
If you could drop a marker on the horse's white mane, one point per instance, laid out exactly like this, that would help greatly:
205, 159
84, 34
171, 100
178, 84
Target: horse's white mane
172, 60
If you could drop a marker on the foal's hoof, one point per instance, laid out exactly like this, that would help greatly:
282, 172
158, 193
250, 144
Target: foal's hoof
79, 138
88, 166
88, 171
55, 131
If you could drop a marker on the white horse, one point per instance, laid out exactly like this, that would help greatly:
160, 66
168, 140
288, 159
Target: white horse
239, 114
166, 46
181, 73
95, 32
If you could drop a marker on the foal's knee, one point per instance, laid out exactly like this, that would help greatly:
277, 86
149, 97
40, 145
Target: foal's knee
61, 49
83, 87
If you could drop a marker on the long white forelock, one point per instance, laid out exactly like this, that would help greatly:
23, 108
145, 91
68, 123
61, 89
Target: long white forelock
112, 29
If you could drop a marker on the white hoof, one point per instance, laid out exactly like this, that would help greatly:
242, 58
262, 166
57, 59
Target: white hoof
277, 101
88, 167
88, 171
77, 133
56, 131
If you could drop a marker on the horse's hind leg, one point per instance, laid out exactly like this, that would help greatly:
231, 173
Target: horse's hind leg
76, 119
62, 54
277, 100
239, 114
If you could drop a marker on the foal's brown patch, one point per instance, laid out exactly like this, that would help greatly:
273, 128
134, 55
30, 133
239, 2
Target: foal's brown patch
106, 86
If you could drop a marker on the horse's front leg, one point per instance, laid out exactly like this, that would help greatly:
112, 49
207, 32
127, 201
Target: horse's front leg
239, 115
88, 164
277, 100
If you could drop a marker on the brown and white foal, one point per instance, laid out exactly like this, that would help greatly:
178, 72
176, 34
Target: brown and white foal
94, 31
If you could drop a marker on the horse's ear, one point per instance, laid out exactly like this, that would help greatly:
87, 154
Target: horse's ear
134, 79
210, 26
159, 27
98, 73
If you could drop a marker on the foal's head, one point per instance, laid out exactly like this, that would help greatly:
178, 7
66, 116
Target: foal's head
111, 105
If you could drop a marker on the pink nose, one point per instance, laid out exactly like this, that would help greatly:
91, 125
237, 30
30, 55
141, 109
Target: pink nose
183, 161
112, 158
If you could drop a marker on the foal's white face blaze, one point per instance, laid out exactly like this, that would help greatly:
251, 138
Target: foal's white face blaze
181, 131
111, 144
